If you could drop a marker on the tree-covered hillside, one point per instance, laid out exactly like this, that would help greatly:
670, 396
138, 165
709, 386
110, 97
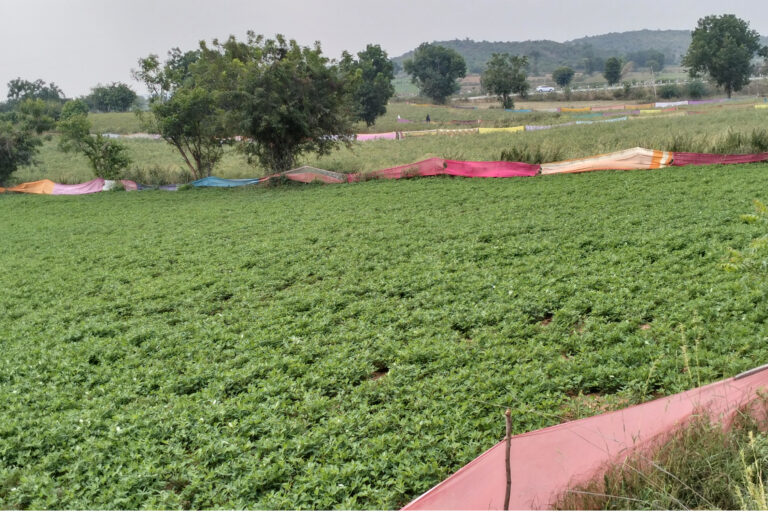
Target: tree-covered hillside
581, 54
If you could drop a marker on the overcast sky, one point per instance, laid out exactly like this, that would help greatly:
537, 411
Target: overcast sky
79, 43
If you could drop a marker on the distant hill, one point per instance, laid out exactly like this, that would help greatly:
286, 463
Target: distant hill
545, 55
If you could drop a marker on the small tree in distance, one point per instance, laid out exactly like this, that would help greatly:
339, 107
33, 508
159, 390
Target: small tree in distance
505, 76
435, 70
370, 80
563, 76
185, 115
107, 157
115, 97
612, 70
723, 47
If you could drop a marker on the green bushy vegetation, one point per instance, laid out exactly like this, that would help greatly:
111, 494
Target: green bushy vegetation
339, 346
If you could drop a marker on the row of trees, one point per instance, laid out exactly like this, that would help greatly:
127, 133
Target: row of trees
722, 47
276, 98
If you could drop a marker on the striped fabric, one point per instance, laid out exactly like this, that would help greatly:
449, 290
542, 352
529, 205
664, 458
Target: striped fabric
627, 160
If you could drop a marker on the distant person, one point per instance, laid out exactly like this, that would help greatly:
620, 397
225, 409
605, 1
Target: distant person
428, 119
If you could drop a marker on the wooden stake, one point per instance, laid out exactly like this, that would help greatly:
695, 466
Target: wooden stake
508, 417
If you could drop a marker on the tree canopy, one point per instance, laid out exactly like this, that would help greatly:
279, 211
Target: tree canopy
115, 97
280, 99
563, 76
19, 135
435, 70
183, 112
723, 47
612, 70
20, 90
505, 76
293, 100
370, 79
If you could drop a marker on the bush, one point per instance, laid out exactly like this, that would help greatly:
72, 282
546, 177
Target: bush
669, 91
696, 89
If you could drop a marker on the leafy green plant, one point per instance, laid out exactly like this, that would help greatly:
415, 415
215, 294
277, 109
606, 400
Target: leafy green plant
107, 158
755, 257
220, 349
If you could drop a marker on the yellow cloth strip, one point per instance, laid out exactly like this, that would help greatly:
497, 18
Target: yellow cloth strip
581, 109
496, 130
650, 111
764, 105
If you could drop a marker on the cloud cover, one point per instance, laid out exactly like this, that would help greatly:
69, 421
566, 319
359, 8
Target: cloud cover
79, 43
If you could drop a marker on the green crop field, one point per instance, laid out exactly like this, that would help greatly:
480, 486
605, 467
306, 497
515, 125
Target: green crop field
156, 161
347, 346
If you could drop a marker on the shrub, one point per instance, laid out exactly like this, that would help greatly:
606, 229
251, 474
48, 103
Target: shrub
696, 89
669, 91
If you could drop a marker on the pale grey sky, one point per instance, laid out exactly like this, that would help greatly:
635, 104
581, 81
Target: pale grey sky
79, 43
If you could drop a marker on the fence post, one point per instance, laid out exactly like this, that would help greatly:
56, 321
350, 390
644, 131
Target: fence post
508, 418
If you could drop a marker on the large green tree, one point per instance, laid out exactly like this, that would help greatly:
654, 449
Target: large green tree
370, 79
435, 70
292, 100
723, 47
612, 70
505, 76
18, 145
184, 108
115, 97
563, 76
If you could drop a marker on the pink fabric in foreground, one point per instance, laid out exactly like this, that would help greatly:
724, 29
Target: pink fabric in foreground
439, 167
89, 187
547, 462
680, 159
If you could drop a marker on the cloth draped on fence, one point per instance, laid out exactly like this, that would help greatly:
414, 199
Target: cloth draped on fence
627, 160
376, 136
546, 463
499, 130
442, 167
681, 159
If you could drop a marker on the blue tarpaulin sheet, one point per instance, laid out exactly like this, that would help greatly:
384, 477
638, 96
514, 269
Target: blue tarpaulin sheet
213, 181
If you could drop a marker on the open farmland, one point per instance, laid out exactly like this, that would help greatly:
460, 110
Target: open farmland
343, 346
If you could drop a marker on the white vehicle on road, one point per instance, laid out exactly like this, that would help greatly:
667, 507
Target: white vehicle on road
545, 88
